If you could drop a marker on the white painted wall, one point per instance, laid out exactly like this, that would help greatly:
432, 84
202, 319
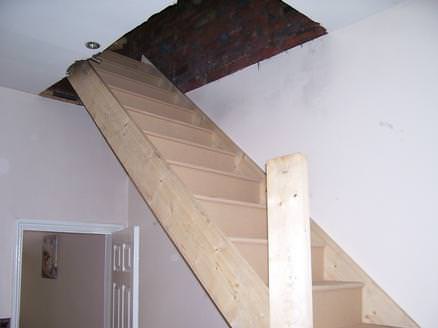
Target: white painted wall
54, 165
336, 14
170, 295
40, 39
76, 297
362, 104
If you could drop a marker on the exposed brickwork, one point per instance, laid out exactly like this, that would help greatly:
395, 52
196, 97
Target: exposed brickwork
193, 44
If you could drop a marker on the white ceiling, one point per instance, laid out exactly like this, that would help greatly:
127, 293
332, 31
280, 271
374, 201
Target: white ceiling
336, 14
40, 39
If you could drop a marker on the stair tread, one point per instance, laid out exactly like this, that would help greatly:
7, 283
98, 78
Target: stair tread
249, 240
164, 118
259, 241
369, 325
230, 201
207, 169
334, 285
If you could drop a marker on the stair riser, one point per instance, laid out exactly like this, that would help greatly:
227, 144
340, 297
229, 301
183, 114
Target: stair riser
151, 106
195, 155
337, 308
106, 68
238, 220
172, 129
217, 185
155, 93
248, 170
257, 256
191, 154
128, 62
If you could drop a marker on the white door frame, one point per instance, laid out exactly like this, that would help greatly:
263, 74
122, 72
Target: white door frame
66, 227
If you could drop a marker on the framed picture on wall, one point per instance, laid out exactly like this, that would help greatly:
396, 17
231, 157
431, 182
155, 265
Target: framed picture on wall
49, 268
4, 323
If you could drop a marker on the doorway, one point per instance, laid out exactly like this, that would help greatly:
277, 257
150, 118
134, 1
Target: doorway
64, 275
62, 280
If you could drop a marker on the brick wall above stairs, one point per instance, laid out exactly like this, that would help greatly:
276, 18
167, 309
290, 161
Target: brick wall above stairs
196, 42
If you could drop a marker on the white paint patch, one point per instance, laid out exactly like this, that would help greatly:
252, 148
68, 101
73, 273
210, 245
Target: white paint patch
4, 166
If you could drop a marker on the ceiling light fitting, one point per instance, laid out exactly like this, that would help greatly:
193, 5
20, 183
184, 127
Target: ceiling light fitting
92, 45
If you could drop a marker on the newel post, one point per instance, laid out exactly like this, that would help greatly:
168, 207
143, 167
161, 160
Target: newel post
290, 275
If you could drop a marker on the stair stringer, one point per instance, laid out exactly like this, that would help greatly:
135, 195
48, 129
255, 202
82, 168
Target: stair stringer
235, 288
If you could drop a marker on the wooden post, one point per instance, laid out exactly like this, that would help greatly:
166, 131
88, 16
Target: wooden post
290, 275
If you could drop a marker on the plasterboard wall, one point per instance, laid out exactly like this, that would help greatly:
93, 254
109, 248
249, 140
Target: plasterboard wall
170, 295
54, 165
361, 103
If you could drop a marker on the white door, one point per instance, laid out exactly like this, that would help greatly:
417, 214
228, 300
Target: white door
124, 300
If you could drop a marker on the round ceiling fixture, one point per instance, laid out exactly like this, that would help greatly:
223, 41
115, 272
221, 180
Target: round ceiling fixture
92, 45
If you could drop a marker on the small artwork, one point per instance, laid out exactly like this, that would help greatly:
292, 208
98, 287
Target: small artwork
49, 268
4, 323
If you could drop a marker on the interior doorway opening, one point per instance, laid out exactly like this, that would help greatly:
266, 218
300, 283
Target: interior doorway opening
62, 280
82, 254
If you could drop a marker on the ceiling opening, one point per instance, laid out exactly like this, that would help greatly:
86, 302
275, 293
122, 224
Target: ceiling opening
198, 41
195, 42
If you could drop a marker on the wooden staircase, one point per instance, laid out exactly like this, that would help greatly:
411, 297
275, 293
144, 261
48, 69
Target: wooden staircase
211, 199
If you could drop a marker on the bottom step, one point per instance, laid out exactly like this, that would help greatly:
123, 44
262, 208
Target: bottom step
367, 325
336, 304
